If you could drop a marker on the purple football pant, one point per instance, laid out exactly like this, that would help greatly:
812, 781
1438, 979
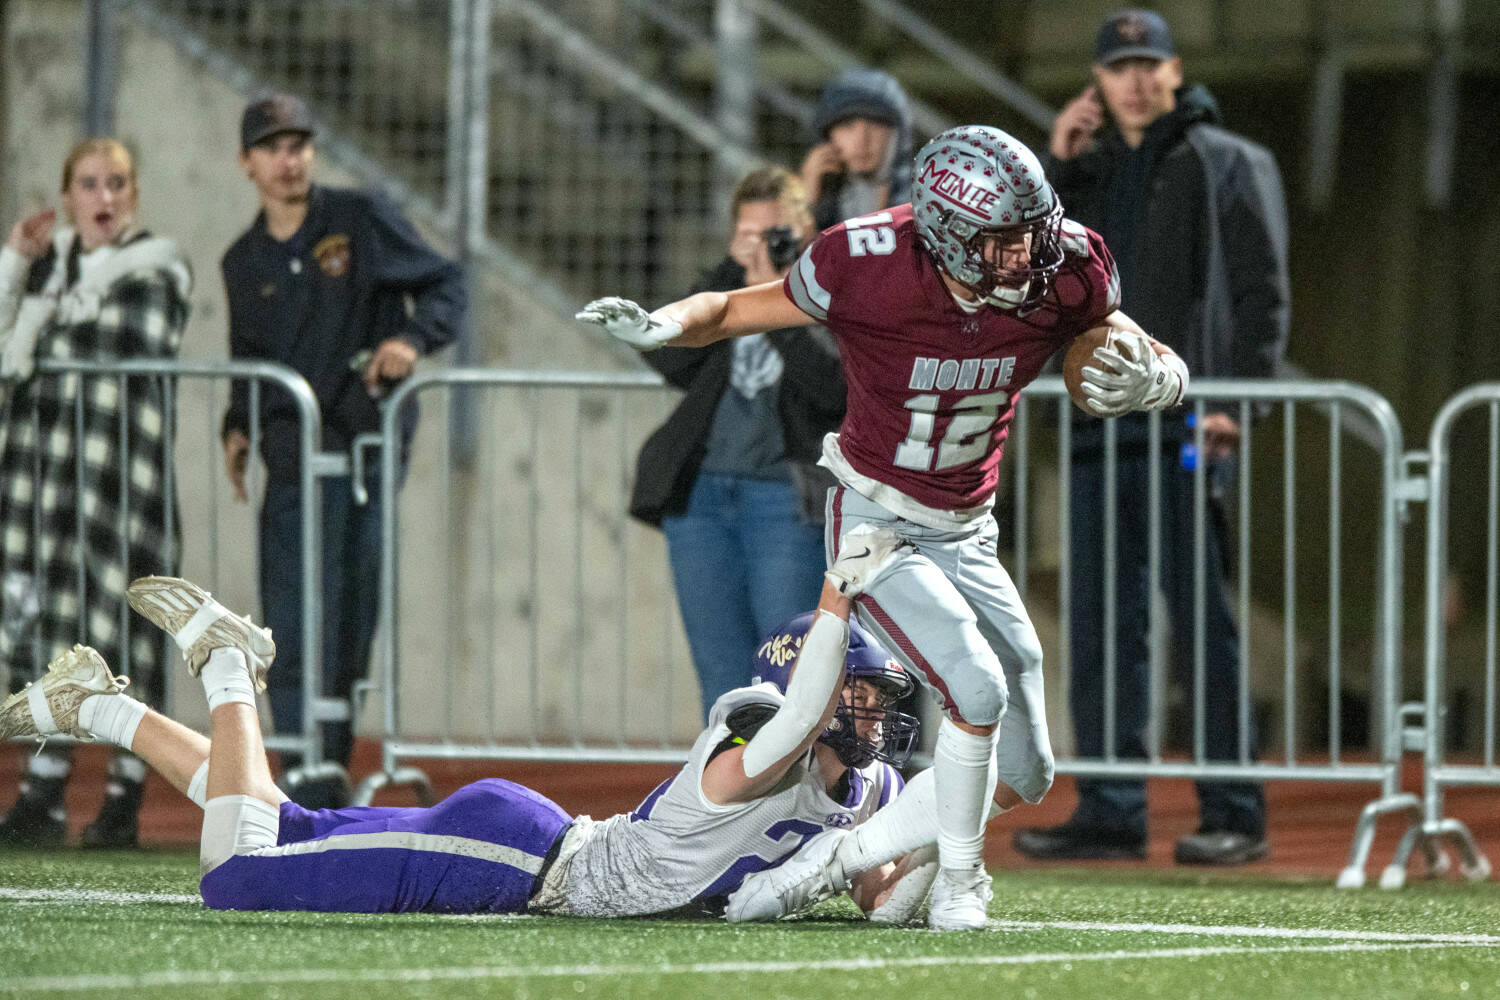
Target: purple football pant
477, 851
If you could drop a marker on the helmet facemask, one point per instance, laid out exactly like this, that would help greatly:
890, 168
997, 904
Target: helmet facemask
1005, 286
867, 729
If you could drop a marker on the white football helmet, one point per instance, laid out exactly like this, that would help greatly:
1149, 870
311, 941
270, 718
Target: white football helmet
974, 183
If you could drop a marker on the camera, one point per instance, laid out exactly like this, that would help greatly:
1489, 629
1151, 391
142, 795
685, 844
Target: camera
782, 246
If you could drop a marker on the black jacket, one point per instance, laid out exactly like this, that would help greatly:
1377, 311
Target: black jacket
1197, 223
810, 402
339, 286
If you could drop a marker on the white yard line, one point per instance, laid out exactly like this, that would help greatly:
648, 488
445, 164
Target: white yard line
74, 896
1210, 930
56, 984
102, 896
1341, 941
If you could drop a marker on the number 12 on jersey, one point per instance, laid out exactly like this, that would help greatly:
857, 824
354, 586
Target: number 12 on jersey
871, 234
965, 439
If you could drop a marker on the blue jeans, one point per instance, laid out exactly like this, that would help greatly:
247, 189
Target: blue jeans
1121, 803
351, 574
744, 560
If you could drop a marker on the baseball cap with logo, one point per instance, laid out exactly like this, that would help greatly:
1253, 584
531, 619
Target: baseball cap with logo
1133, 34
271, 113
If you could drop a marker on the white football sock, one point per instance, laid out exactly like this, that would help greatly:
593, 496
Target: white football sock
226, 679
197, 789
963, 768
906, 824
235, 824
112, 717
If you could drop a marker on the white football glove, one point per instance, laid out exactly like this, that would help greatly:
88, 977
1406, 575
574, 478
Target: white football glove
1137, 378
627, 321
865, 552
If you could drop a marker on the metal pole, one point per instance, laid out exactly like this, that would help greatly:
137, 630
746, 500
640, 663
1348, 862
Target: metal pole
468, 191
734, 86
99, 72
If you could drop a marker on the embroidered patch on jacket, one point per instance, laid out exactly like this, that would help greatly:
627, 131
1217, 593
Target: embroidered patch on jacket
332, 253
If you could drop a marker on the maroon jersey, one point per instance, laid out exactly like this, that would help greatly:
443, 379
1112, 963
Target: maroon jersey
932, 387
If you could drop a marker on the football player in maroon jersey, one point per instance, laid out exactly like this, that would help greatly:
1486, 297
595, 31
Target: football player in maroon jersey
944, 309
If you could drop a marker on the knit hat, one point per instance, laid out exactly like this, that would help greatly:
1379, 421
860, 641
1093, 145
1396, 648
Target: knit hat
860, 93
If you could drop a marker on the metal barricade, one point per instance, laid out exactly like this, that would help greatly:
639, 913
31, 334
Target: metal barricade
1439, 772
523, 614
1270, 414
532, 645
204, 522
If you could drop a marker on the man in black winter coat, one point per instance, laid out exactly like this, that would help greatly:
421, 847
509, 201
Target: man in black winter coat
1197, 222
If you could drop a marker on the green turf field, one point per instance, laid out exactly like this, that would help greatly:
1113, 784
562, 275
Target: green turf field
118, 925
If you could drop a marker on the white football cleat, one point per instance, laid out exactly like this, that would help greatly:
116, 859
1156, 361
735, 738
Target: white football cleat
810, 876
865, 552
960, 900
199, 624
50, 706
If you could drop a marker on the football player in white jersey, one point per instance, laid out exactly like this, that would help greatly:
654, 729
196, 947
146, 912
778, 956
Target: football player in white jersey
812, 749
943, 311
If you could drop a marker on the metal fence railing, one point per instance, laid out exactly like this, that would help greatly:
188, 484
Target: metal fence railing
1296, 547
1441, 657
554, 635
525, 615
217, 546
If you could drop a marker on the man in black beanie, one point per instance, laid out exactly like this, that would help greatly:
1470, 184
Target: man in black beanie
862, 162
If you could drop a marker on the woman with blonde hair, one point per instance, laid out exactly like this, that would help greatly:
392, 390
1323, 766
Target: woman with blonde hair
82, 456
731, 477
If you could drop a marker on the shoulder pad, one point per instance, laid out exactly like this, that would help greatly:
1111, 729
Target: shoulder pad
1075, 239
731, 701
744, 722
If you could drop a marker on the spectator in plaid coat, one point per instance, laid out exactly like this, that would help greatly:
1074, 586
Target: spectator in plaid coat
98, 289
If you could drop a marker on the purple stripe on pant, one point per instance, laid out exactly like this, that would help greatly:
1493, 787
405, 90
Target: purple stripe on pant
349, 878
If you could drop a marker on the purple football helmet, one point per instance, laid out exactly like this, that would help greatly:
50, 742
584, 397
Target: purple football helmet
895, 734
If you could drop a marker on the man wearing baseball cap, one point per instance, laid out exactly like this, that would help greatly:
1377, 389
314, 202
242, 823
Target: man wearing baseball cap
337, 284
270, 114
1197, 222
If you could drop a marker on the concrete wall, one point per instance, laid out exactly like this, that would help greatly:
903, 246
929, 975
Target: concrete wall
181, 122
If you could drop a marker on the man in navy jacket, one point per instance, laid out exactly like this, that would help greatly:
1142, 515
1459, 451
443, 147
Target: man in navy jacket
338, 285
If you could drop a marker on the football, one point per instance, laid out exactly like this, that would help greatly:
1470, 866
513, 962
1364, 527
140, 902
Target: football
1081, 352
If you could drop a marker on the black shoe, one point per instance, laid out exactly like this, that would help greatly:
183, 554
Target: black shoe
1219, 847
116, 826
37, 819
1074, 841
332, 792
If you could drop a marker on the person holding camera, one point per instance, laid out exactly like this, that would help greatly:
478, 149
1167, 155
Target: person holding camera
731, 476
